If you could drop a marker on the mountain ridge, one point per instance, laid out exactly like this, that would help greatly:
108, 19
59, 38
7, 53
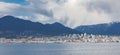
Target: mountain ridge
101, 29
13, 27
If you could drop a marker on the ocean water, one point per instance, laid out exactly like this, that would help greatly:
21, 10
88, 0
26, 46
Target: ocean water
60, 49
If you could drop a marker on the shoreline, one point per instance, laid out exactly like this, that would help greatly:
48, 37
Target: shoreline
65, 39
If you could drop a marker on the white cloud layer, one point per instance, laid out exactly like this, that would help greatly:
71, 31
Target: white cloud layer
71, 13
8, 8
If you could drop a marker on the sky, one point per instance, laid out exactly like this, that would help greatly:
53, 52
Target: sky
71, 13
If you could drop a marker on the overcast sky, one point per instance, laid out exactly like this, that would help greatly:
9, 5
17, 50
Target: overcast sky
71, 13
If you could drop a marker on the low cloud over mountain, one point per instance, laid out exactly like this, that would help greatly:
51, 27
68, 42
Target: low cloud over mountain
101, 29
71, 13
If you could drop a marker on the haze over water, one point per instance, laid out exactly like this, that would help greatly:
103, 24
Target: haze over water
60, 49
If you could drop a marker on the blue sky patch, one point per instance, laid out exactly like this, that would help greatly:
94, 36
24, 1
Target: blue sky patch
14, 1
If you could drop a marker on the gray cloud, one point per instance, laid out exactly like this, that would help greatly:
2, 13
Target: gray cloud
111, 7
99, 6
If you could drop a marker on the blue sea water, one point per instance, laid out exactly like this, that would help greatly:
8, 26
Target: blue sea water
60, 49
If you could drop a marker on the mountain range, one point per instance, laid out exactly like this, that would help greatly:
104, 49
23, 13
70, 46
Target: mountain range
101, 29
12, 27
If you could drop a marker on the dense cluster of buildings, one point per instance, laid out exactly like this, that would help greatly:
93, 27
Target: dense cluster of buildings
72, 38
